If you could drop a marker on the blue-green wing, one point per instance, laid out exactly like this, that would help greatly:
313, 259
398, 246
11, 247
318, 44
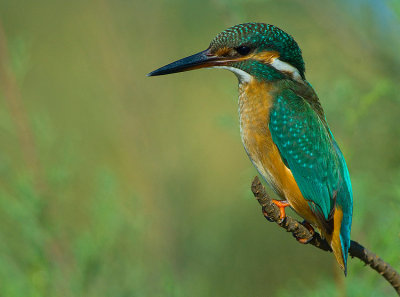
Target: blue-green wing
306, 146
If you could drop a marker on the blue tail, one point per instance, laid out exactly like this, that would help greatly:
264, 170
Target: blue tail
345, 202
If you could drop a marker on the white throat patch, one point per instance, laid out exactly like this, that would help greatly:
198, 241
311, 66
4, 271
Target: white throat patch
243, 76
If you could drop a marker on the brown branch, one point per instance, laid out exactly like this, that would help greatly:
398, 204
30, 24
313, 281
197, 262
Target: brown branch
300, 231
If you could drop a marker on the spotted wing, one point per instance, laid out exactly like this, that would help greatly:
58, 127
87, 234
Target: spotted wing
306, 147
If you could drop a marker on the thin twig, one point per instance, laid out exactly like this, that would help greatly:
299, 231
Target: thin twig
300, 231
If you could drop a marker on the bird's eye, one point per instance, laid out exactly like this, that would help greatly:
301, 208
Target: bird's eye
243, 50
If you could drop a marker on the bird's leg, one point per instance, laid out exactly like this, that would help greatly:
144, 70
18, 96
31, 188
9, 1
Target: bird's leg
309, 228
282, 204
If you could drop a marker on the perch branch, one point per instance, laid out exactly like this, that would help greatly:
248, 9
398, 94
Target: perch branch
299, 231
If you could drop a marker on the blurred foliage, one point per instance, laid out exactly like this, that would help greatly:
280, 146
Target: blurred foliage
114, 184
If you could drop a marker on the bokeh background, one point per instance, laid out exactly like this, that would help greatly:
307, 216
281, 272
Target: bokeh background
115, 184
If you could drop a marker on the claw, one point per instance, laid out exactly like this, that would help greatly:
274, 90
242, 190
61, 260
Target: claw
281, 204
304, 240
309, 228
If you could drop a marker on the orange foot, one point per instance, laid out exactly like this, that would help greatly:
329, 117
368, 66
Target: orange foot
281, 204
312, 231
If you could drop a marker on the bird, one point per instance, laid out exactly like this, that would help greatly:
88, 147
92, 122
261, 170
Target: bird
283, 127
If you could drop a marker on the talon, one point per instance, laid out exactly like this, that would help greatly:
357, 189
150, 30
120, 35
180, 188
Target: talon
309, 228
304, 240
266, 214
281, 204
281, 221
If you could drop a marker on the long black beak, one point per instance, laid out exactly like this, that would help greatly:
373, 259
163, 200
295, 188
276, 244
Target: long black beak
200, 60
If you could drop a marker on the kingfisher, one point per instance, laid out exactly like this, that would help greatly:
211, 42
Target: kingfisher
283, 127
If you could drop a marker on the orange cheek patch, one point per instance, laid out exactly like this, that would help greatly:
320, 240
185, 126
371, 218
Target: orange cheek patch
266, 57
224, 51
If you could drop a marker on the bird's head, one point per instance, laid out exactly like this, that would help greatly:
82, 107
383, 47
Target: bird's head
249, 50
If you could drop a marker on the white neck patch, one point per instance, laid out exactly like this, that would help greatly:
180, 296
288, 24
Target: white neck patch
243, 76
279, 65
286, 67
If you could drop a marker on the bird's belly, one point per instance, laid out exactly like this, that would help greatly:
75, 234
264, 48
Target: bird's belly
254, 107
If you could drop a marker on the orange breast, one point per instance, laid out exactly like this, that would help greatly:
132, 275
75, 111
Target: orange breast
255, 101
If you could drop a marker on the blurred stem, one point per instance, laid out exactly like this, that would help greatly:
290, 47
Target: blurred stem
12, 96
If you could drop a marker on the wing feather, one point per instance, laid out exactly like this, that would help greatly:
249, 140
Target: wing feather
306, 146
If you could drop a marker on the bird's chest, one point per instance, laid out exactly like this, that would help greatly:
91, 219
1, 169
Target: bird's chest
255, 102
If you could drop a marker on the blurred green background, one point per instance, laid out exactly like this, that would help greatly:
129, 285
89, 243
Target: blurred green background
115, 184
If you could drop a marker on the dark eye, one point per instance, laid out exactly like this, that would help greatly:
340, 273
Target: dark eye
243, 50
